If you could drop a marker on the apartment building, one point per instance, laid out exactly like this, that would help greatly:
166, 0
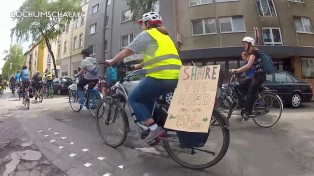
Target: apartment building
70, 44
34, 58
120, 30
210, 32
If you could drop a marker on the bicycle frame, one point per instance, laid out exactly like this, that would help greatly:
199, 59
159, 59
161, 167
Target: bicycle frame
121, 92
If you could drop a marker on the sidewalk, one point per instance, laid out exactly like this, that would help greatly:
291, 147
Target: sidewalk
18, 154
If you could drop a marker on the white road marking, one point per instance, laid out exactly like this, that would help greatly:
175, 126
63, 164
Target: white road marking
85, 150
56, 133
101, 158
121, 166
107, 174
53, 141
49, 129
46, 135
72, 143
63, 138
72, 155
40, 131
61, 147
87, 164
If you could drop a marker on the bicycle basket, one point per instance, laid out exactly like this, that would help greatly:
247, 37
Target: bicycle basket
73, 86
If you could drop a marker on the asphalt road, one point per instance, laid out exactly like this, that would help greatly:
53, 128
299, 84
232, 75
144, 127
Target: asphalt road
283, 150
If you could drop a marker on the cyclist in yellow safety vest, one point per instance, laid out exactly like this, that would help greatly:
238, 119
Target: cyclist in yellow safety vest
162, 64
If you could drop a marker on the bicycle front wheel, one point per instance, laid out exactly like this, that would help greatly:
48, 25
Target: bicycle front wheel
111, 122
73, 100
93, 101
202, 157
225, 107
267, 110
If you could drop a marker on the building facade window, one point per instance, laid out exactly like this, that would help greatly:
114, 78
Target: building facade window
303, 25
83, 18
231, 24
59, 50
272, 37
126, 16
65, 47
74, 43
204, 26
93, 47
266, 8
307, 68
95, 9
200, 2
81, 40
126, 40
49, 58
107, 21
92, 29
225, 0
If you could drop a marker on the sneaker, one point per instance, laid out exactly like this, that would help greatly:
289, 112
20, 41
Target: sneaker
245, 117
155, 134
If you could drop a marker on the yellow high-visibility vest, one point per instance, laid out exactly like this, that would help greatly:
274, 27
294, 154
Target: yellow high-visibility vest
166, 63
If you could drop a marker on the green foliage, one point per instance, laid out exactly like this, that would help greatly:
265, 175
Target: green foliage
139, 7
14, 56
46, 26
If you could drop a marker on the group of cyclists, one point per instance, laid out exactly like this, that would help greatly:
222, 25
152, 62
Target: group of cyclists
162, 64
23, 79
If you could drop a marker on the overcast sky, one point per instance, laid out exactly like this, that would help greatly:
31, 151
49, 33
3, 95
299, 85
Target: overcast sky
6, 24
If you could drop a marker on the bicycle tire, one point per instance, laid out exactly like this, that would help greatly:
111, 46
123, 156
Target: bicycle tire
226, 140
72, 105
275, 97
92, 110
124, 117
225, 103
52, 94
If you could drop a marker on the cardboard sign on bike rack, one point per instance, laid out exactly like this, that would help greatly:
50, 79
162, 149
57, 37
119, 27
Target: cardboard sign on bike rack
194, 98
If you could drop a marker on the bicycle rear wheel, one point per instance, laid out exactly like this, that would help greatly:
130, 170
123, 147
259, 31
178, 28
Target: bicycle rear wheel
111, 123
196, 158
267, 110
73, 100
93, 101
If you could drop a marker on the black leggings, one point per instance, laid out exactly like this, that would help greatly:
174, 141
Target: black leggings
256, 82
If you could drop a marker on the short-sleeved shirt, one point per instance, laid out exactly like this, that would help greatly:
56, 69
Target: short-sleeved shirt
89, 64
143, 42
258, 63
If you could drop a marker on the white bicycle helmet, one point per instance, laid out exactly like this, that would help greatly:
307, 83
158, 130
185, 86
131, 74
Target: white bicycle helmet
249, 40
152, 17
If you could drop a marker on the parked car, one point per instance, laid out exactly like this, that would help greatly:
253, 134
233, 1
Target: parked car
291, 90
132, 79
60, 85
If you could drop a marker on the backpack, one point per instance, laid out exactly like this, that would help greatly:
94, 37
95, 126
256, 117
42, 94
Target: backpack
268, 63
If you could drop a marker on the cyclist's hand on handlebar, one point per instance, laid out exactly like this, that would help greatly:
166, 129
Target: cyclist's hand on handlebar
137, 66
233, 71
108, 62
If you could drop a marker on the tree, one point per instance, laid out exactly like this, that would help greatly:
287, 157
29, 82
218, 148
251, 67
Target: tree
45, 20
139, 7
16, 58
